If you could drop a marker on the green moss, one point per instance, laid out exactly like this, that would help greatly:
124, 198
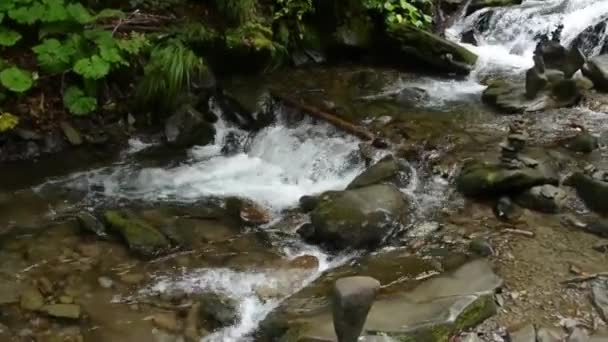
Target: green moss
481, 309
141, 237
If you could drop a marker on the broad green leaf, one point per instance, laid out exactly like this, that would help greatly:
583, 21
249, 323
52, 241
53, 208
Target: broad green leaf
110, 13
6, 6
8, 37
27, 15
80, 13
16, 80
92, 68
53, 56
75, 100
134, 45
55, 11
111, 55
8, 121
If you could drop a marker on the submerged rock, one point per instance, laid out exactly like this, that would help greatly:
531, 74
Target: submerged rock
358, 218
583, 142
248, 211
388, 170
485, 179
432, 311
187, 127
31, 299
90, 223
544, 198
596, 69
70, 311
218, 309
593, 192
71, 134
141, 237
525, 334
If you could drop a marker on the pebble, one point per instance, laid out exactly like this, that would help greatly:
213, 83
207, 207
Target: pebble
105, 282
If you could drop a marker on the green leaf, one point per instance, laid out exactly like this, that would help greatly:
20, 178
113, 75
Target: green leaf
111, 55
75, 100
57, 28
1, 17
134, 45
93, 68
6, 6
80, 13
27, 15
53, 56
8, 121
54, 11
110, 13
16, 80
8, 37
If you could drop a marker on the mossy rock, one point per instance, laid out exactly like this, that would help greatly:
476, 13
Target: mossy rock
141, 237
431, 49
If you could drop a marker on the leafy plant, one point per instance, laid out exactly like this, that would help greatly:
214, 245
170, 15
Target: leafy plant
8, 121
171, 70
16, 80
76, 101
412, 12
237, 11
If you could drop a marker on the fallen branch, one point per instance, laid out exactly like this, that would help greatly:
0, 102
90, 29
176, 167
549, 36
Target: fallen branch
328, 117
584, 278
518, 232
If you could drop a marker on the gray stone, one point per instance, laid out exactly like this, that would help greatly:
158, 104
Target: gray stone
70, 311
578, 335
388, 170
596, 69
582, 143
599, 297
71, 134
358, 218
598, 227
187, 127
352, 299
535, 82
141, 237
593, 192
544, 198
549, 335
525, 334
90, 223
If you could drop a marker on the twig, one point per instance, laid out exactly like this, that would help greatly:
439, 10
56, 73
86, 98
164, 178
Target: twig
584, 278
518, 232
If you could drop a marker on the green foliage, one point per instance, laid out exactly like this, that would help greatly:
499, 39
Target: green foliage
8, 121
414, 12
237, 11
16, 80
171, 70
70, 43
292, 9
76, 101
154, 5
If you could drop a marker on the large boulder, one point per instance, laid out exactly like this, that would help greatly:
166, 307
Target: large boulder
358, 218
596, 69
430, 49
593, 192
141, 237
352, 299
544, 198
187, 127
432, 311
479, 179
592, 39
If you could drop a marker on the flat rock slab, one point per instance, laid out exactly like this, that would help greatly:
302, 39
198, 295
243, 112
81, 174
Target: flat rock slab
430, 312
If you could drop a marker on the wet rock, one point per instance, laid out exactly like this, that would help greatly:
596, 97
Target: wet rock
71, 134
105, 282
525, 334
355, 32
10, 291
248, 211
578, 335
308, 203
485, 179
141, 237
565, 92
582, 143
479, 4
593, 192
388, 170
510, 97
596, 69
598, 227
432, 50
481, 247
352, 299
468, 37
549, 335
193, 233
90, 223
234, 111
167, 322
69, 311
432, 311
599, 297
506, 210
592, 39
232, 143
544, 198
31, 299
191, 329
358, 218
305, 261
535, 82
187, 127
218, 309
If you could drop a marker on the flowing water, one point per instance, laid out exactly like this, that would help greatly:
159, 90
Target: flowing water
288, 160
